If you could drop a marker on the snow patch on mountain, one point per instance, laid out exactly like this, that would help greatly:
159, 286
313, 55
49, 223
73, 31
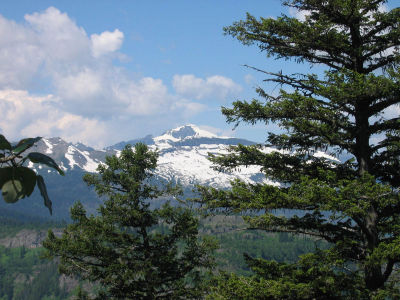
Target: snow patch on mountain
91, 164
70, 156
184, 132
191, 166
62, 167
31, 166
49, 149
325, 155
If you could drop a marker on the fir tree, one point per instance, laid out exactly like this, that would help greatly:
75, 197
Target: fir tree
129, 249
351, 110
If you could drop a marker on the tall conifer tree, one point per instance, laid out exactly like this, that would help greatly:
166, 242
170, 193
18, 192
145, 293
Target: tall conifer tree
350, 111
130, 250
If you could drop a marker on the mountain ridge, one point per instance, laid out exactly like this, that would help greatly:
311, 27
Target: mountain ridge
183, 159
183, 153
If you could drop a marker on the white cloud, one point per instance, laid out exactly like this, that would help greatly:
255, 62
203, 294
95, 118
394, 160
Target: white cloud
106, 42
82, 85
91, 100
20, 54
299, 14
58, 37
148, 96
392, 111
28, 116
215, 86
188, 108
218, 131
249, 79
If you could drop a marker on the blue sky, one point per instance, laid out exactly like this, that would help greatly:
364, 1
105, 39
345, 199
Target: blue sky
101, 72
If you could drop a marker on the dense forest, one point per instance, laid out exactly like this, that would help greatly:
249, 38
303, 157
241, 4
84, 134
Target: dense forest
24, 274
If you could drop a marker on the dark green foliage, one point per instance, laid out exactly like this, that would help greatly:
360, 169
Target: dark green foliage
12, 222
260, 244
235, 239
24, 275
17, 181
120, 248
353, 204
229, 231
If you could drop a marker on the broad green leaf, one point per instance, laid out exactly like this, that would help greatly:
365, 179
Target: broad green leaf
25, 144
12, 191
37, 157
28, 178
43, 192
6, 174
25, 176
4, 144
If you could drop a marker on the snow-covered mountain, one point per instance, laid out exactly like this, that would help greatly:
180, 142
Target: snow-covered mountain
70, 156
182, 151
183, 155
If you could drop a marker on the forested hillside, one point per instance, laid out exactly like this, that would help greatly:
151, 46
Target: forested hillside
25, 275
23, 272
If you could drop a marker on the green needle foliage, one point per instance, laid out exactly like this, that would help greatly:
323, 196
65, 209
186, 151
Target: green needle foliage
18, 181
351, 110
129, 249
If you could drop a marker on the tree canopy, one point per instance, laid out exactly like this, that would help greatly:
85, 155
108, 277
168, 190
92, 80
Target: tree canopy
349, 197
134, 251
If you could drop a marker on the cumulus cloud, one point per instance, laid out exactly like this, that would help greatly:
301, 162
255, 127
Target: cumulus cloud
188, 108
20, 54
391, 112
218, 131
30, 115
299, 14
85, 84
85, 96
216, 86
106, 42
59, 38
53, 47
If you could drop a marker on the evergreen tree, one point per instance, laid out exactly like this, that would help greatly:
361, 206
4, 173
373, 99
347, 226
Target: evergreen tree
351, 111
130, 250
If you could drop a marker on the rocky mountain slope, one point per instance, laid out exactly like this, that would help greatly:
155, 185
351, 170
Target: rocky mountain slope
182, 152
183, 159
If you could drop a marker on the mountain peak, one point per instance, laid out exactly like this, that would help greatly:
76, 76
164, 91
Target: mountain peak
185, 132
